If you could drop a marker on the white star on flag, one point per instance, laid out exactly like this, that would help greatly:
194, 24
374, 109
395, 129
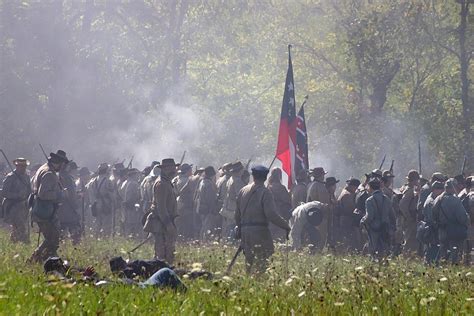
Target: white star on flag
290, 86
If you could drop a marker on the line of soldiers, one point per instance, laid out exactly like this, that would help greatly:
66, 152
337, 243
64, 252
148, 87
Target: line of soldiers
171, 203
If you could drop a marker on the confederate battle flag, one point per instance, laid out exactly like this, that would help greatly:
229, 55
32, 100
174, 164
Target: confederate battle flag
302, 162
286, 148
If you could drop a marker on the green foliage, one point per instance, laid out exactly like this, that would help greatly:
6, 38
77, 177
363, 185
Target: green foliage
320, 284
379, 74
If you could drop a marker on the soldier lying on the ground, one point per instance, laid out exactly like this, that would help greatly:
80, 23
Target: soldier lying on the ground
163, 278
146, 268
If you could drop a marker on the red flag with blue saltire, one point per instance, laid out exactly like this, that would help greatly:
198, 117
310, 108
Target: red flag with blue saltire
286, 148
302, 162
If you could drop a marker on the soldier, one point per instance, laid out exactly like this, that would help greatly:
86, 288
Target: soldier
330, 184
425, 190
378, 220
298, 192
461, 184
146, 187
47, 196
196, 179
452, 221
206, 204
161, 221
131, 204
317, 191
255, 210
69, 219
234, 185
303, 221
348, 237
101, 191
408, 210
431, 249
118, 176
221, 184
468, 203
396, 241
185, 188
84, 197
282, 201
15, 192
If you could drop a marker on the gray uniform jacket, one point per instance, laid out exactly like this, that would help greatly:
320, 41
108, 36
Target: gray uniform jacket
15, 192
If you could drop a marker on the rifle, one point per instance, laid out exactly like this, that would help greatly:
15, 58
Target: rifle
83, 215
248, 163
234, 259
182, 158
463, 168
391, 167
44, 153
383, 161
140, 244
419, 157
130, 163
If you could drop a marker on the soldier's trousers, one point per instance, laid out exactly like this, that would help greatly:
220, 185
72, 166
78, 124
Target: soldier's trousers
411, 243
74, 229
50, 244
103, 224
257, 244
165, 246
450, 250
19, 231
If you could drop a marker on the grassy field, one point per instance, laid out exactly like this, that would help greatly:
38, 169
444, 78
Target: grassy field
320, 284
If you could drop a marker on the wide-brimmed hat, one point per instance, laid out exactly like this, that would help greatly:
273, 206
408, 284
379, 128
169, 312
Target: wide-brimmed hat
331, 181
59, 156
210, 171
236, 167
133, 171
226, 167
84, 171
72, 165
155, 172
118, 166
103, 166
353, 182
185, 168
387, 174
438, 176
413, 175
168, 162
317, 172
437, 185
21, 161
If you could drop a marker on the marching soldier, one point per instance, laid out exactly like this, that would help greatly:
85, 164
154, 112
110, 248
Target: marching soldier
298, 192
378, 220
15, 192
69, 219
146, 187
47, 196
206, 204
408, 210
432, 245
317, 191
101, 191
84, 197
282, 201
161, 221
347, 234
185, 188
131, 204
234, 185
452, 221
255, 211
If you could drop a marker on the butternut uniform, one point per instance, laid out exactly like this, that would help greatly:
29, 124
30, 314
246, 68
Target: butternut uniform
255, 211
